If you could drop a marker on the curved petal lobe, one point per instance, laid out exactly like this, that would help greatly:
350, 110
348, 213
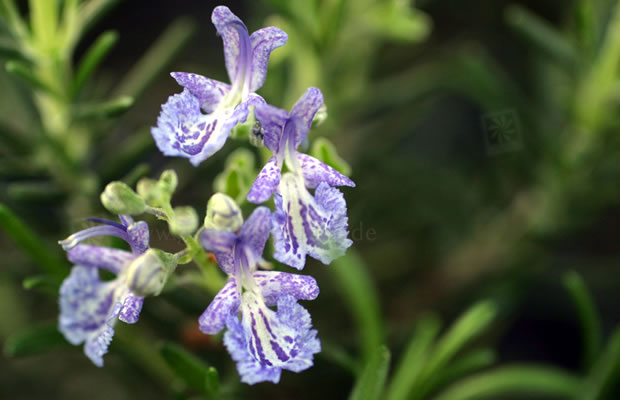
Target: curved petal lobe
304, 224
255, 231
274, 284
315, 172
113, 260
263, 42
303, 112
209, 92
237, 48
225, 303
266, 183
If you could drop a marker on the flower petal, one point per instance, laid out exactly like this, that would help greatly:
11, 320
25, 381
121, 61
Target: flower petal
208, 91
303, 112
265, 342
138, 235
98, 342
255, 230
274, 284
225, 303
130, 311
266, 183
303, 224
272, 120
84, 302
237, 48
113, 229
221, 243
113, 260
315, 172
263, 42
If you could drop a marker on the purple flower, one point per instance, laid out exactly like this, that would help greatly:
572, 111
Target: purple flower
303, 224
264, 341
89, 307
183, 130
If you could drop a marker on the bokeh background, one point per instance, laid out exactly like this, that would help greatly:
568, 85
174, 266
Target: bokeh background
483, 136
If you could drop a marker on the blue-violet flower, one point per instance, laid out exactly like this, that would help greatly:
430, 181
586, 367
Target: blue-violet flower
303, 224
263, 342
89, 307
182, 129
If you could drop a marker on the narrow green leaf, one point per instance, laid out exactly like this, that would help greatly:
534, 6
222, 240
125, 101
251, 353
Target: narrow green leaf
212, 384
588, 316
337, 355
21, 234
474, 360
605, 371
44, 21
465, 329
14, 20
541, 34
10, 51
371, 382
93, 57
517, 379
43, 282
361, 297
92, 11
33, 341
108, 109
23, 72
191, 369
156, 58
412, 362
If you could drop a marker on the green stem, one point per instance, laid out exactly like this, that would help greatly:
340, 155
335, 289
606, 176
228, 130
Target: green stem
213, 279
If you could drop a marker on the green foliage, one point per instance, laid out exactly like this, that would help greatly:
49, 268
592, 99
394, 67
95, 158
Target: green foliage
191, 369
33, 341
238, 175
369, 385
358, 291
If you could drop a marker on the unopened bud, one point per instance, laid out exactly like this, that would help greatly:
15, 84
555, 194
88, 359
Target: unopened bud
168, 181
223, 213
184, 221
147, 274
118, 198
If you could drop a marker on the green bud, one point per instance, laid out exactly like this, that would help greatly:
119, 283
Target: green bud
223, 213
184, 221
168, 181
320, 116
147, 275
148, 190
118, 198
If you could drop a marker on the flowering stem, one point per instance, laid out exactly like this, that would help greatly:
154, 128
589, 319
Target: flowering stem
213, 279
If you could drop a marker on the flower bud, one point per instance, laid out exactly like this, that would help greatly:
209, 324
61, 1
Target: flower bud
184, 221
223, 213
118, 198
147, 274
168, 181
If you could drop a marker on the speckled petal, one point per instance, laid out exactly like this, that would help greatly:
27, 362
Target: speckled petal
237, 47
272, 120
266, 183
225, 303
315, 172
138, 237
303, 224
303, 112
221, 243
255, 231
209, 92
130, 311
265, 342
263, 42
113, 260
274, 284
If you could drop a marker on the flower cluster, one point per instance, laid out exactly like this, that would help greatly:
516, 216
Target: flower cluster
266, 329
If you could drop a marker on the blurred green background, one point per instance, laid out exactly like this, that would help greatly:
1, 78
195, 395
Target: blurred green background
483, 136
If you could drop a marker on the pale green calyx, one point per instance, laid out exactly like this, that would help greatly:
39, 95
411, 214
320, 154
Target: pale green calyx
184, 221
118, 198
147, 274
223, 213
